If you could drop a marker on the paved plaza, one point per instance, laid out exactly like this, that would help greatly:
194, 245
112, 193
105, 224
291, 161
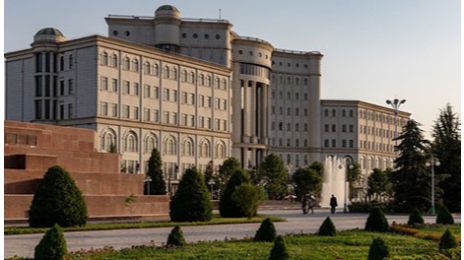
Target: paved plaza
23, 245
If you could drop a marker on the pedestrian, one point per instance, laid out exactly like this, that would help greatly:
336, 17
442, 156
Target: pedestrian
304, 203
333, 204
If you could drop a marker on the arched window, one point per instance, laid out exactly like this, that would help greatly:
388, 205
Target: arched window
174, 73
130, 142
202, 79
187, 147
135, 65
114, 60
108, 140
104, 59
220, 150
205, 148
170, 146
126, 63
184, 76
166, 72
155, 69
151, 142
146, 68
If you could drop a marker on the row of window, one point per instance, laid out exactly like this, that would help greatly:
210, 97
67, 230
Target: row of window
288, 64
48, 62
327, 128
289, 95
289, 143
251, 53
255, 70
344, 113
289, 126
49, 110
381, 117
167, 72
345, 143
297, 160
376, 131
289, 111
46, 86
289, 80
206, 36
376, 146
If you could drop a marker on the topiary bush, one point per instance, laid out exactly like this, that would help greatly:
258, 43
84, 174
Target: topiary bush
157, 186
444, 216
279, 250
52, 246
192, 199
415, 218
176, 237
57, 201
228, 208
327, 228
266, 232
447, 241
246, 197
378, 250
376, 221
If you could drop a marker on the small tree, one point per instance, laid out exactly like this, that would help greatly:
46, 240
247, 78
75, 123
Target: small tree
209, 175
266, 232
192, 199
376, 221
273, 171
157, 184
228, 208
279, 250
52, 246
57, 201
247, 196
226, 170
327, 228
176, 237
447, 240
378, 184
307, 180
444, 217
378, 250
415, 218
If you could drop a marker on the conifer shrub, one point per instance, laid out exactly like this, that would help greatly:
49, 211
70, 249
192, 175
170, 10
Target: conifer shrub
192, 199
444, 216
57, 201
52, 246
376, 221
378, 250
266, 232
157, 186
327, 228
279, 250
415, 218
246, 197
228, 208
176, 237
447, 241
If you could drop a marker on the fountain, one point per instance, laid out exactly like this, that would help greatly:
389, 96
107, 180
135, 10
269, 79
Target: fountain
334, 181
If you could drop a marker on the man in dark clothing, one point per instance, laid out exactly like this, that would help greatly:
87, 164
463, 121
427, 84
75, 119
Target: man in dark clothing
333, 204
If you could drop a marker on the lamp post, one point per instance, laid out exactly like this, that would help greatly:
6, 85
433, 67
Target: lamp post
433, 162
395, 104
349, 166
211, 182
148, 180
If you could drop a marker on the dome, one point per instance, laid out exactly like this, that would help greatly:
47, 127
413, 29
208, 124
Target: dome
49, 34
167, 8
167, 11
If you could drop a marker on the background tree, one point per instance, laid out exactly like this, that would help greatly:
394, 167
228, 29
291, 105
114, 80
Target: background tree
447, 148
273, 171
192, 199
378, 184
318, 167
411, 180
354, 174
157, 184
247, 196
228, 208
307, 180
226, 170
57, 201
209, 175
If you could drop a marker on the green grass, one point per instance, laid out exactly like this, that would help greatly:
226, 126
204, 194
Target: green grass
216, 220
454, 229
346, 245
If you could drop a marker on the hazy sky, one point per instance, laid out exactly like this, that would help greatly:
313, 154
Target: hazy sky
373, 50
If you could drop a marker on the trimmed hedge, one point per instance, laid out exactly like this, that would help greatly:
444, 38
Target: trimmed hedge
378, 250
266, 232
246, 196
444, 216
327, 228
176, 237
447, 241
192, 199
376, 221
57, 201
52, 246
415, 218
279, 250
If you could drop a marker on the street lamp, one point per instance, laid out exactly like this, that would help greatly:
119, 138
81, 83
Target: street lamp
148, 180
211, 182
433, 162
349, 166
395, 104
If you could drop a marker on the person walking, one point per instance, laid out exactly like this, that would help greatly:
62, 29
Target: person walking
333, 204
304, 204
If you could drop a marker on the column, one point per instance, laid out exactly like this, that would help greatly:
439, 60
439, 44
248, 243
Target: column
245, 112
253, 111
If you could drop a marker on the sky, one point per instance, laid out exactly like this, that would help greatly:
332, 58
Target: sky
373, 50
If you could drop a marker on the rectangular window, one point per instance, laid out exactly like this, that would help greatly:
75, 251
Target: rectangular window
47, 86
114, 85
156, 92
334, 128
351, 128
326, 128
104, 83
136, 113
47, 62
166, 94
208, 120
70, 87
192, 99
38, 62
334, 143
225, 125
38, 109
136, 89
174, 96
38, 86
192, 121
104, 109
156, 115
70, 111
184, 120
114, 110
184, 98
209, 102
166, 117
218, 124
174, 118
126, 88
55, 86
126, 111
146, 91
61, 112
54, 109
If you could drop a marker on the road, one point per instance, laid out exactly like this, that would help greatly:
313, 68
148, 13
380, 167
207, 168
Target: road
23, 245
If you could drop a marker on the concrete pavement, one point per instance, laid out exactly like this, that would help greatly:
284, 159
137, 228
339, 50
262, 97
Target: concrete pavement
23, 245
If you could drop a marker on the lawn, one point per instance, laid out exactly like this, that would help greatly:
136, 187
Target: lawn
216, 220
346, 245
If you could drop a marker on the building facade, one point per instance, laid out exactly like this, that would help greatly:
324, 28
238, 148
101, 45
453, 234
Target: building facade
195, 90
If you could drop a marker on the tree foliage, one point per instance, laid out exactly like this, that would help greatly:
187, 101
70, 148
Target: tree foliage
447, 241
447, 148
378, 250
415, 218
192, 199
354, 174
378, 184
57, 201
376, 221
266, 231
307, 180
52, 246
227, 206
327, 228
279, 250
411, 180
155, 172
176, 237
209, 175
444, 216
247, 196
228, 167
273, 171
